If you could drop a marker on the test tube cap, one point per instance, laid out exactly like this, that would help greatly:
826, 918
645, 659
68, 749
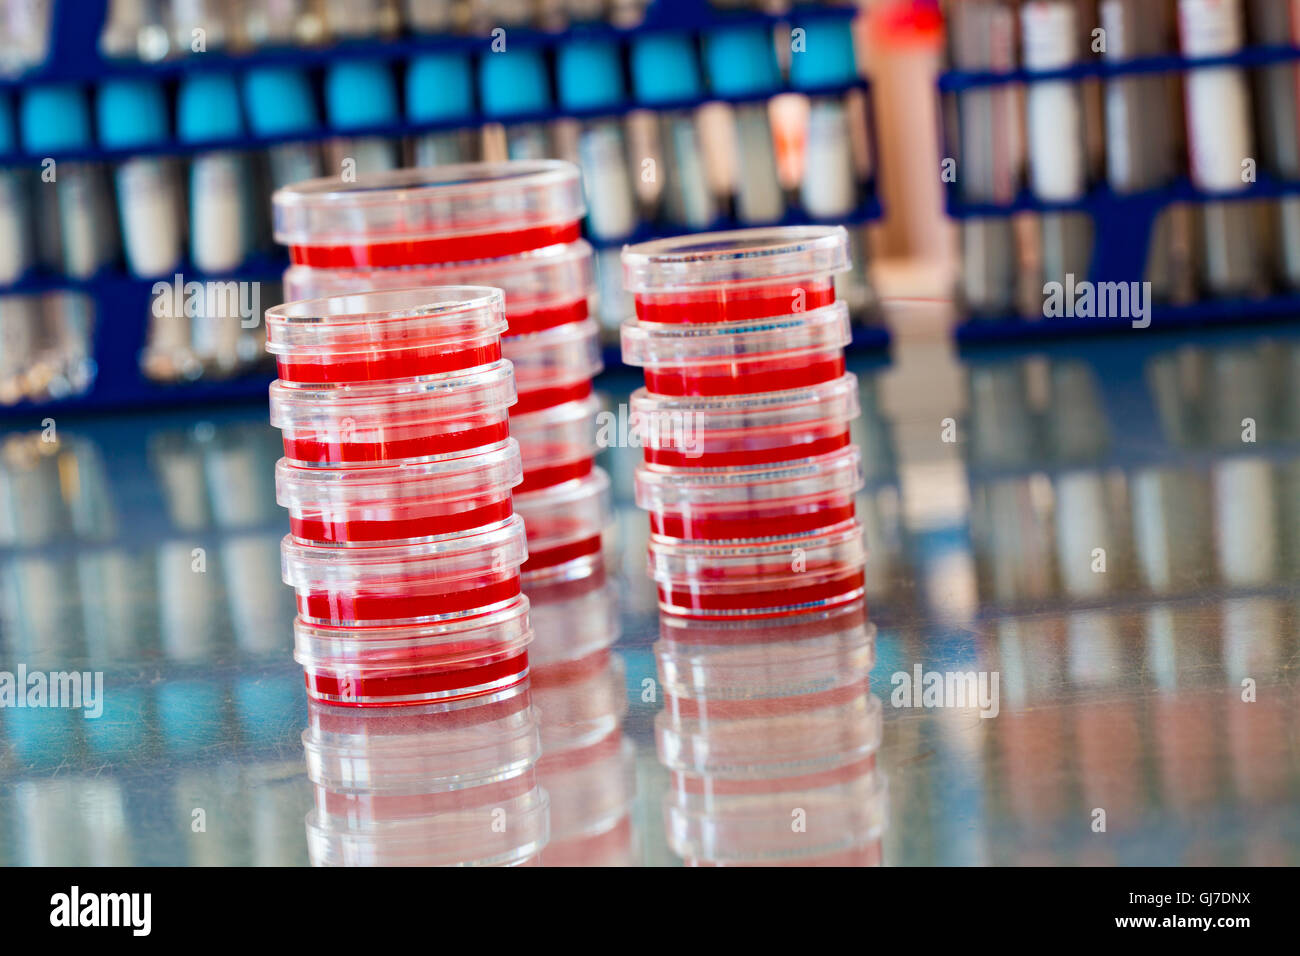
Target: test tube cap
361, 93
131, 113
741, 61
439, 86
514, 82
208, 108
279, 101
54, 118
590, 75
665, 70
825, 57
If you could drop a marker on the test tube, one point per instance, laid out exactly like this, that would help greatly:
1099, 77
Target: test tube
665, 72
55, 119
197, 26
1220, 140
1140, 139
835, 160
280, 103
440, 89
220, 207
1058, 163
133, 114
742, 67
361, 94
208, 110
1275, 23
514, 83
591, 79
17, 253
982, 38
352, 19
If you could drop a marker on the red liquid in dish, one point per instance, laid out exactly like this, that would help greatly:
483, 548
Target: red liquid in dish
425, 440
759, 601
752, 446
409, 599
387, 364
756, 521
389, 686
732, 304
560, 553
404, 521
745, 377
533, 398
525, 321
548, 475
434, 251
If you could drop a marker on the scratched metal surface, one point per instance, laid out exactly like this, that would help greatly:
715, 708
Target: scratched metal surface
1119, 690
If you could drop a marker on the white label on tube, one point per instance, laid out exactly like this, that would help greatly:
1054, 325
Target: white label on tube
216, 212
1219, 134
1048, 34
829, 186
148, 200
1055, 127
1210, 27
608, 184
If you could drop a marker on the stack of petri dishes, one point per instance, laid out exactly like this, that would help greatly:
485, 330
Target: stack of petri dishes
513, 226
404, 549
749, 473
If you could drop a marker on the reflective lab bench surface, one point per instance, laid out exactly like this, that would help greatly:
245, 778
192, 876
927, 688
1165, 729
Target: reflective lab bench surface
1099, 541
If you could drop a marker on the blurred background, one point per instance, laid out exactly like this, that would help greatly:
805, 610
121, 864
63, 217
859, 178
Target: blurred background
974, 151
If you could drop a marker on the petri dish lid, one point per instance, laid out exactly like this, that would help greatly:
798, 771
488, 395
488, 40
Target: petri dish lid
432, 398
495, 469
449, 213
365, 321
659, 343
558, 273
741, 255
448, 559
836, 400
661, 487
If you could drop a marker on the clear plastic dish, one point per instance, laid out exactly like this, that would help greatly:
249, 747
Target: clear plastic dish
557, 444
453, 213
737, 358
396, 421
743, 430
845, 817
734, 678
382, 336
468, 837
382, 504
792, 576
788, 738
564, 521
554, 366
375, 666
543, 289
736, 276
767, 501
461, 576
